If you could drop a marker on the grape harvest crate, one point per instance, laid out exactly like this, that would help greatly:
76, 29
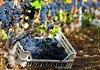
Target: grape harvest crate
24, 58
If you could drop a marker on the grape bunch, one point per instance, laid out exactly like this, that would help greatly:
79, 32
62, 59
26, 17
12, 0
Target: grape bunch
95, 5
43, 13
42, 48
28, 11
54, 7
98, 2
79, 4
69, 7
9, 14
16, 15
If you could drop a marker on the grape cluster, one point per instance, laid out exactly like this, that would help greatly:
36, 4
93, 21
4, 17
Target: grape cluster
8, 14
53, 8
42, 48
69, 7
16, 15
90, 4
98, 2
28, 11
95, 5
79, 4
43, 12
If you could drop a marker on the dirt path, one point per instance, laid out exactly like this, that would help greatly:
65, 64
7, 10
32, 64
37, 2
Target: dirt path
87, 45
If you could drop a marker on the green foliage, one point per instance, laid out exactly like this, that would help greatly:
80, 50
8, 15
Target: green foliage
87, 16
42, 28
37, 3
3, 34
54, 31
61, 15
68, 1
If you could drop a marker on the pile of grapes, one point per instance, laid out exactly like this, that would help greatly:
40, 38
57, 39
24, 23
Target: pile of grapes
42, 48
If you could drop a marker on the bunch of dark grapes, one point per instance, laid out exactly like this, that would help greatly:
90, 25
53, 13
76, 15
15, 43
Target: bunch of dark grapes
5, 14
9, 14
54, 7
79, 4
43, 13
69, 7
28, 11
16, 15
74, 2
96, 5
98, 2
42, 48
51, 8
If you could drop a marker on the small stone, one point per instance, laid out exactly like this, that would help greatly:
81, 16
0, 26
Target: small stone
81, 51
86, 55
91, 40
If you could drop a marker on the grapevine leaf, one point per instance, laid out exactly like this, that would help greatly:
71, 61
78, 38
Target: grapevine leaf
38, 6
42, 28
42, 3
65, 17
54, 31
35, 3
68, 1
56, 18
3, 34
61, 15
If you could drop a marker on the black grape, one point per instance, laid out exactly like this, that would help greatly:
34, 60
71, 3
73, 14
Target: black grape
54, 42
53, 7
69, 7
40, 49
25, 10
95, 5
99, 2
80, 1
43, 12
7, 12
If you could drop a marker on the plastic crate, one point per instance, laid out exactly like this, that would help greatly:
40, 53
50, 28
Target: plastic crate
24, 58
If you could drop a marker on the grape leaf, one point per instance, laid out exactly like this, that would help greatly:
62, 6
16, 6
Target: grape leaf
56, 18
37, 4
3, 34
61, 15
68, 1
55, 31
42, 28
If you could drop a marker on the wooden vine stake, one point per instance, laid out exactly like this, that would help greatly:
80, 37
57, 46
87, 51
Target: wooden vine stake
1, 2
